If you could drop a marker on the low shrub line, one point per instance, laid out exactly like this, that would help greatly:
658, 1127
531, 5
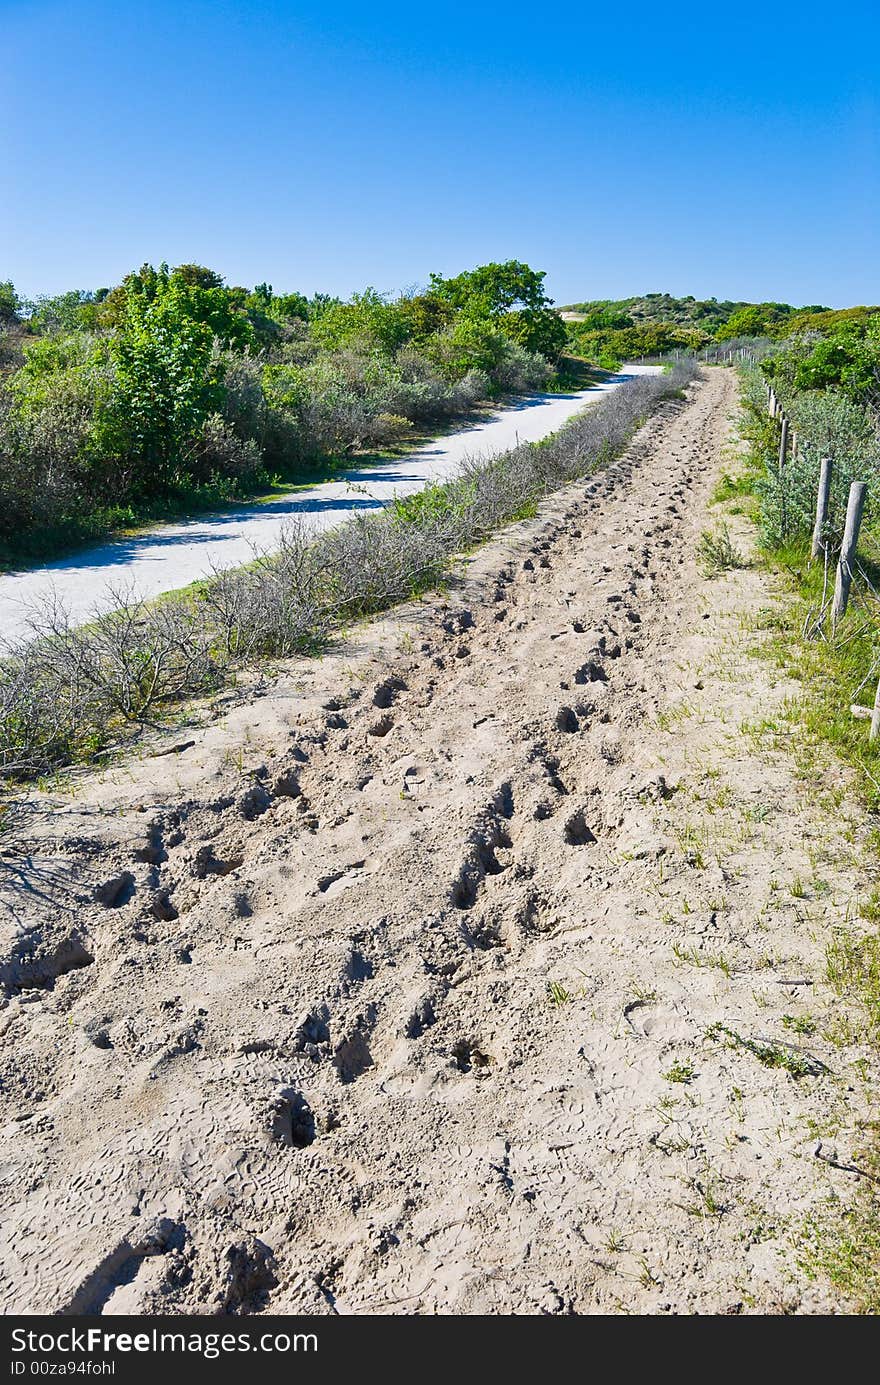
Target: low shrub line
70, 692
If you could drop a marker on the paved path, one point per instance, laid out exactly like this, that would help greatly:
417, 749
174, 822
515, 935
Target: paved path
168, 556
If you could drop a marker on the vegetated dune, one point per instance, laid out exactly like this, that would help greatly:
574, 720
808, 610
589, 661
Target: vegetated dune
398, 989
168, 556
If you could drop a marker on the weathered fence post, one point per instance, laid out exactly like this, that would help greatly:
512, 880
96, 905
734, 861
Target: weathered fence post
843, 581
875, 718
823, 496
783, 443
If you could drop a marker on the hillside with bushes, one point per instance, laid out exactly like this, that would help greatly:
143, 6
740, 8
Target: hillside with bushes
608, 331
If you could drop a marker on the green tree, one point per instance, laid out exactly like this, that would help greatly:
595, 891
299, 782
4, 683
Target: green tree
493, 289
9, 303
165, 385
66, 312
425, 314
198, 276
540, 330
849, 359
510, 295
471, 343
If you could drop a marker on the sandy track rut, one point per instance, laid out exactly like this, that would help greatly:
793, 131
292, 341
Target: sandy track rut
302, 1056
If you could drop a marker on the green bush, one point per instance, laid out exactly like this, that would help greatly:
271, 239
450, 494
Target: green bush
173, 388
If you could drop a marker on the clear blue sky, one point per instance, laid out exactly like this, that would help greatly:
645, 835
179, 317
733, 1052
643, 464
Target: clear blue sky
719, 148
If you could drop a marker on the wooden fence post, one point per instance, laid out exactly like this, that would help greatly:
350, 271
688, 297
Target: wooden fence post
843, 581
875, 717
823, 496
783, 443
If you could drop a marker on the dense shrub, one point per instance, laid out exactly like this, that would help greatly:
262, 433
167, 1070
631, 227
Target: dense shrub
159, 390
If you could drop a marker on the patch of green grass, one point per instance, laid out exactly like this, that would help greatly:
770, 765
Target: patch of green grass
696, 958
842, 1243
852, 968
771, 1054
837, 1242
733, 487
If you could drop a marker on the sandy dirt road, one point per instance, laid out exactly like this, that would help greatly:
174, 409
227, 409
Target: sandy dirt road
395, 992
170, 556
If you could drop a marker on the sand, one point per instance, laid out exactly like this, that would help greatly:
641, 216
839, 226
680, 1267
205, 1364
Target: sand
373, 1000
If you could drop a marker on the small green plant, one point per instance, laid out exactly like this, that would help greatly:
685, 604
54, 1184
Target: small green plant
680, 1072
717, 553
708, 1204
557, 994
800, 1024
642, 995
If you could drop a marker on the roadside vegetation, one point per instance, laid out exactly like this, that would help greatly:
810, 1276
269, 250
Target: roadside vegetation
827, 377
69, 694
173, 391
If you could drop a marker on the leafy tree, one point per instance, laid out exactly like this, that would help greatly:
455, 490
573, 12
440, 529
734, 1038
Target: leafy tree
143, 283
197, 276
320, 303
493, 289
510, 295
200, 294
848, 359
292, 306
165, 385
471, 343
539, 330
9, 303
609, 319
425, 314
